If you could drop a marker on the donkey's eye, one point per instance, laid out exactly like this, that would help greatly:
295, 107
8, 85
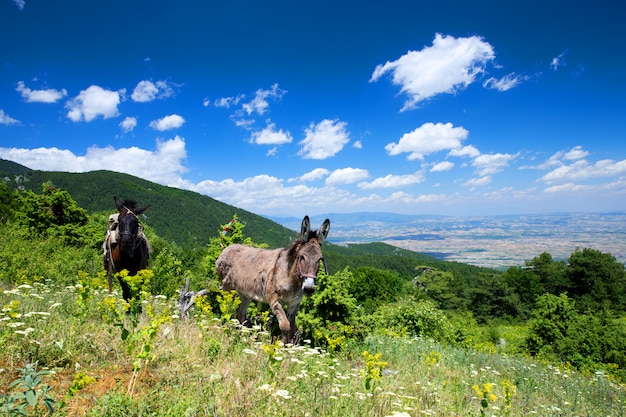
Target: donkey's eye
302, 258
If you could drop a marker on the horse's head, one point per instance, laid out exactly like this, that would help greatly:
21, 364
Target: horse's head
310, 254
128, 225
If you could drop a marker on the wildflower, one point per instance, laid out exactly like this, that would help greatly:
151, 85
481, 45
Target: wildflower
282, 393
249, 352
266, 387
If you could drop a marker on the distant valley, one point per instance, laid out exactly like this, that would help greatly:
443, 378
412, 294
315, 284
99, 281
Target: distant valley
490, 241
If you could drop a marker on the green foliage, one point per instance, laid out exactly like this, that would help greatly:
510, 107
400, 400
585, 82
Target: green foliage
53, 212
411, 317
30, 396
490, 297
587, 341
326, 316
373, 287
596, 280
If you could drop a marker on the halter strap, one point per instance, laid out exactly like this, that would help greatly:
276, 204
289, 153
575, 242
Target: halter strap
301, 275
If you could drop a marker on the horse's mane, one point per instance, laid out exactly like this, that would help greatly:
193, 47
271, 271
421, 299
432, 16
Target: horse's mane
130, 204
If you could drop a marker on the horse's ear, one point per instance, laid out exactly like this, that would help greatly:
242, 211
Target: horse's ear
305, 229
118, 203
323, 232
141, 210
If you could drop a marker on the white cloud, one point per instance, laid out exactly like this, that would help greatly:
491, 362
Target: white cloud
128, 124
558, 61
173, 121
427, 139
478, 182
227, 102
269, 136
20, 4
468, 150
357, 144
163, 166
346, 176
393, 181
505, 83
577, 152
146, 91
447, 66
567, 188
489, 164
324, 140
316, 174
5, 119
582, 170
48, 95
93, 102
259, 103
442, 166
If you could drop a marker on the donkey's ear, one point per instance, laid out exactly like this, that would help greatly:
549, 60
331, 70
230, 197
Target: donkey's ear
323, 232
305, 229
118, 203
141, 210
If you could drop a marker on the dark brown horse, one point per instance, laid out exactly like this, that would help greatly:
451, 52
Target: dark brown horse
274, 276
126, 246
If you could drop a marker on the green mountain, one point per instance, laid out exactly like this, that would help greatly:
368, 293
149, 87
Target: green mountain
191, 219
185, 217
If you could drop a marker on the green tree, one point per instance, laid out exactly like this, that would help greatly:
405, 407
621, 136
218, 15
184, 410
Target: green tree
437, 285
596, 279
372, 287
54, 212
526, 284
551, 273
490, 297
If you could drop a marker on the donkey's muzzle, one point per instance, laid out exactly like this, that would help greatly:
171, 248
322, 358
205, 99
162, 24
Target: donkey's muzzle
308, 286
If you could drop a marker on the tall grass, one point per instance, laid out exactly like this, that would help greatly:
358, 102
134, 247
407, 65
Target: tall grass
105, 362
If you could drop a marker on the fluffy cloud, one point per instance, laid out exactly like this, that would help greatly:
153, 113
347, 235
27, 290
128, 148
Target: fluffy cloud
489, 164
269, 136
48, 95
163, 166
20, 4
447, 66
393, 181
316, 174
427, 139
442, 166
582, 170
146, 91
93, 102
173, 121
5, 119
128, 124
346, 176
324, 139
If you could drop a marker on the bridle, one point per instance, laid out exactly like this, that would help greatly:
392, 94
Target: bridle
135, 242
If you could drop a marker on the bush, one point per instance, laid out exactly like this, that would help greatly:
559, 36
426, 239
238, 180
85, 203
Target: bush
415, 318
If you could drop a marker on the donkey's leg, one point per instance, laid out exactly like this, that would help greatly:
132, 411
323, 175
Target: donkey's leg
283, 322
243, 308
292, 312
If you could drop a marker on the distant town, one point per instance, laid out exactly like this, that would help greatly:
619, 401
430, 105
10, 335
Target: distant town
490, 241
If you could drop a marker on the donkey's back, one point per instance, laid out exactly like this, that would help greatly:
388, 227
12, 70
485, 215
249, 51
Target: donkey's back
248, 270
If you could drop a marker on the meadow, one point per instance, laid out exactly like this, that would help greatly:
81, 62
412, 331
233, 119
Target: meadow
79, 351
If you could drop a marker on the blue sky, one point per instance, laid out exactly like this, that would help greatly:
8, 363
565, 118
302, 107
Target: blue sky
291, 108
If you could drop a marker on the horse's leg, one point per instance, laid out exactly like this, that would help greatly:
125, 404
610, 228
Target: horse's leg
125, 289
243, 308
